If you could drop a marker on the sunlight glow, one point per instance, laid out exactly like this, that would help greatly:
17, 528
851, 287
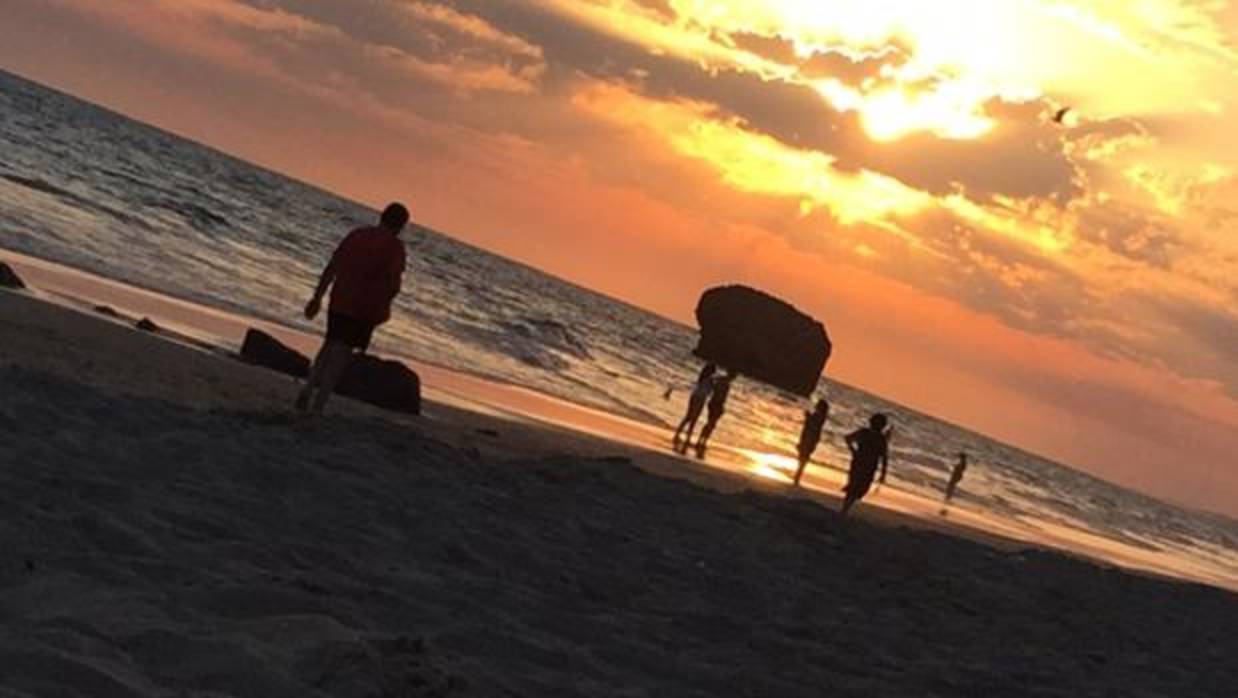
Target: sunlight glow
755, 163
769, 465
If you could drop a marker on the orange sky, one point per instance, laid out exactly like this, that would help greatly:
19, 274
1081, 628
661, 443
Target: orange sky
893, 167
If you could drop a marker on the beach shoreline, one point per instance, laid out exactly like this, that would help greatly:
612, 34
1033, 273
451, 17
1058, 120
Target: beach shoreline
179, 532
220, 331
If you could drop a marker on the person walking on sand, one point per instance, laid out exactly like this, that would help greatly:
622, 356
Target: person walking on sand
810, 436
956, 476
869, 448
696, 402
716, 408
364, 276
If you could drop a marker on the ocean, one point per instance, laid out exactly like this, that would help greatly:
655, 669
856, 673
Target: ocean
92, 189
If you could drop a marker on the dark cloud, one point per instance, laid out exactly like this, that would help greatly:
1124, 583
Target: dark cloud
846, 69
1192, 338
662, 8
799, 116
772, 48
1021, 158
849, 69
794, 114
1134, 234
394, 49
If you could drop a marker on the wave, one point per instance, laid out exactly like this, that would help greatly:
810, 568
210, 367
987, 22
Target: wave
199, 217
71, 197
550, 334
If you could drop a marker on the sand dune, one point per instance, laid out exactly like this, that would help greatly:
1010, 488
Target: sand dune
170, 530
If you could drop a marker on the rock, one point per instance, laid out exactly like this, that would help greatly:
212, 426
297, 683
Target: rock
264, 350
146, 325
106, 310
9, 278
383, 383
762, 337
380, 382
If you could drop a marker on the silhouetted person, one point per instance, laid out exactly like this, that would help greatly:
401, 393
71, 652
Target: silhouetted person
364, 276
956, 476
716, 408
696, 403
869, 448
810, 436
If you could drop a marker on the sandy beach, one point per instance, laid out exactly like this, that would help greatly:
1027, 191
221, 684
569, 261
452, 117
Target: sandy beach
172, 530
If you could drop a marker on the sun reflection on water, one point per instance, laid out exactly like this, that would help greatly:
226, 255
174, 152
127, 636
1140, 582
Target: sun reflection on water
771, 466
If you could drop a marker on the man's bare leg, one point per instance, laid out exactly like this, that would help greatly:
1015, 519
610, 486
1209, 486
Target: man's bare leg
799, 472
848, 502
687, 438
314, 380
702, 443
335, 363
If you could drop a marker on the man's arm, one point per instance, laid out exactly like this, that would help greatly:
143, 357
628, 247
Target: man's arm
851, 440
324, 283
396, 279
885, 451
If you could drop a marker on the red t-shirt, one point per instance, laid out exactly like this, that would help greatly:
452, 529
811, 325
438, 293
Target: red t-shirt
369, 265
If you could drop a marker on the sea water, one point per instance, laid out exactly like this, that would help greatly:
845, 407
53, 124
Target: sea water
89, 188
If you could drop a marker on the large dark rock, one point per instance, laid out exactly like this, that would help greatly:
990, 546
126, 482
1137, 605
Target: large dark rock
762, 337
264, 350
383, 383
9, 278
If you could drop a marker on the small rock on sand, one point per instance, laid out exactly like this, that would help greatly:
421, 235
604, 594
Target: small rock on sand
264, 350
9, 278
146, 325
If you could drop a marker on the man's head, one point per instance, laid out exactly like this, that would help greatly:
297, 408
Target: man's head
394, 218
878, 421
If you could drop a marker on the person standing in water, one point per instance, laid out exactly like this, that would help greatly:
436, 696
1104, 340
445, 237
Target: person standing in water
869, 448
364, 276
814, 422
956, 477
717, 408
696, 403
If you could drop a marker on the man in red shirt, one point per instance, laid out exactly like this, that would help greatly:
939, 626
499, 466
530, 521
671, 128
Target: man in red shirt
364, 276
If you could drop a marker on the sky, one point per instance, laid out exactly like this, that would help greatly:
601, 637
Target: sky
1066, 285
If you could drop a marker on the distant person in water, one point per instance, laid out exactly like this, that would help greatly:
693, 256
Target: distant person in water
696, 403
716, 408
810, 436
956, 477
869, 448
364, 276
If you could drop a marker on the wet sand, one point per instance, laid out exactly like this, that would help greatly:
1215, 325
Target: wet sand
170, 530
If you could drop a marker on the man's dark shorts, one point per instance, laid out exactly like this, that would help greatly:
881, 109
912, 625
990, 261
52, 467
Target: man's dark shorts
349, 330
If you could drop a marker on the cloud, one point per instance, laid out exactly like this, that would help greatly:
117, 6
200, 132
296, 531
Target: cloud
437, 47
